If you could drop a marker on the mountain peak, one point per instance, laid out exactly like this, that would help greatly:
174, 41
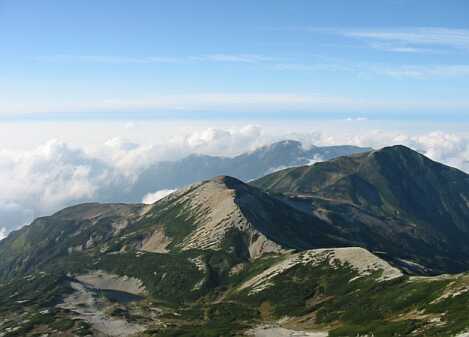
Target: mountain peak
229, 182
287, 143
404, 159
398, 149
226, 180
283, 145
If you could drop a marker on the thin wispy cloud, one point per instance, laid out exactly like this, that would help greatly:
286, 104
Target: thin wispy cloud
112, 59
395, 71
109, 59
398, 48
223, 102
314, 67
240, 58
263, 104
447, 37
424, 72
403, 40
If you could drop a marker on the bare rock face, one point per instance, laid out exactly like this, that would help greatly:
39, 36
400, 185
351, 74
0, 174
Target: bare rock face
83, 304
157, 242
277, 331
105, 281
220, 215
359, 259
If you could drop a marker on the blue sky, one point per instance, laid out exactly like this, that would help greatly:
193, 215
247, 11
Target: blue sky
404, 59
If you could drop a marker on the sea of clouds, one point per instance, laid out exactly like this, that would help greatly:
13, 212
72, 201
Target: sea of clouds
55, 174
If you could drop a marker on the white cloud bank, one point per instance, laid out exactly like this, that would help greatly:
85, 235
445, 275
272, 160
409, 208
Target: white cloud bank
55, 174
151, 198
3, 233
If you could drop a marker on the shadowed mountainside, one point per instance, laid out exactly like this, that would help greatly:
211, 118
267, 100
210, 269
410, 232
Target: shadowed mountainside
394, 199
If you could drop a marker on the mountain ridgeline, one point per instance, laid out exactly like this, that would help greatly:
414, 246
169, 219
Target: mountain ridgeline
221, 213
324, 248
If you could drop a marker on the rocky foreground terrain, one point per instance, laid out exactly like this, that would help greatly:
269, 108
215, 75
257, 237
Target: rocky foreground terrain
372, 244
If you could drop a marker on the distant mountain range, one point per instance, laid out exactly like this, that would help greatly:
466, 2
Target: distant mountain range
246, 166
318, 250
